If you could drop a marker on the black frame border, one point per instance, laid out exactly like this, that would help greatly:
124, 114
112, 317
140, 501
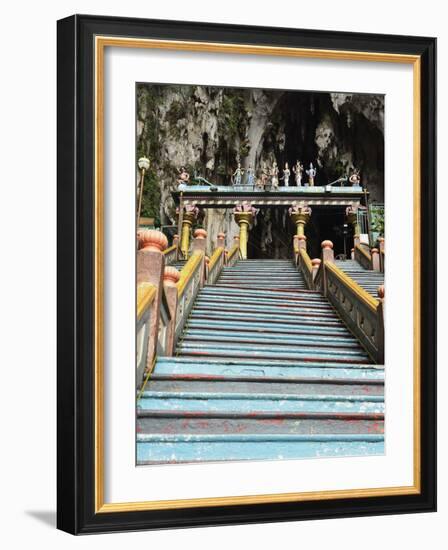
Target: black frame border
76, 264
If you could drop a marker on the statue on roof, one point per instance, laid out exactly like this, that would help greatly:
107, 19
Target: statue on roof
286, 174
264, 176
274, 175
237, 176
298, 171
250, 176
184, 176
311, 175
355, 178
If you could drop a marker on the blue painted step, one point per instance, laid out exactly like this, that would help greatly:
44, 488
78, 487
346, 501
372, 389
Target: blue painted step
157, 448
273, 369
265, 369
367, 279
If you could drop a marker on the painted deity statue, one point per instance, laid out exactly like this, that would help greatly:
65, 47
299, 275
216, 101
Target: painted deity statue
311, 174
286, 174
355, 178
274, 176
262, 182
184, 176
237, 175
298, 171
250, 176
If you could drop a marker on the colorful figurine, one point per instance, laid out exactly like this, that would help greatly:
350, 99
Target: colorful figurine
355, 178
184, 176
298, 171
286, 174
274, 176
250, 176
311, 175
237, 175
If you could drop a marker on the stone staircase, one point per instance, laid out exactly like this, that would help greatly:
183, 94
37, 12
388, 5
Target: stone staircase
368, 279
178, 264
265, 369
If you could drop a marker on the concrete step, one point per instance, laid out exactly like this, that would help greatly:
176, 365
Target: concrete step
243, 403
321, 312
259, 300
274, 369
235, 293
271, 351
257, 385
180, 448
249, 326
294, 424
231, 316
194, 335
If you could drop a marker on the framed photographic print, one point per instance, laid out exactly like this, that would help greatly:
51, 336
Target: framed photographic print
247, 272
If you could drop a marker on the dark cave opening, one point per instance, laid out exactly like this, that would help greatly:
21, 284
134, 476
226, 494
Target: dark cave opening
272, 234
307, 127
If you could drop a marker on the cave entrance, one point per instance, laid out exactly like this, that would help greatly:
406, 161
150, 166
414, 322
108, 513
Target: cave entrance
271, 235
328, 223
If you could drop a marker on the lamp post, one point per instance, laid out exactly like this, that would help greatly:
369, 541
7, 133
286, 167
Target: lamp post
143, 164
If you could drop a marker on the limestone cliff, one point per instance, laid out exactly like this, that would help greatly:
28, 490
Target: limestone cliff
204, 128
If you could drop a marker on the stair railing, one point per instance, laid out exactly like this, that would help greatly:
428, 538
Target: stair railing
306, 267
234, 254
191, 280
361, 312
215, 265
363, 257
151, 297
170, 254
146, 293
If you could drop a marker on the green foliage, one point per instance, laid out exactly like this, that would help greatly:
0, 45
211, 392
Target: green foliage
148, 98
377, 220
151, 198
232, 117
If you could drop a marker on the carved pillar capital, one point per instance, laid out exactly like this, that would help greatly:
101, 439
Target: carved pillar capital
300, 215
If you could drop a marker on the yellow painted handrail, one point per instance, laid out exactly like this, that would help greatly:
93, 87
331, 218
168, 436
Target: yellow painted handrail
306, 259
366, 254
215, 257
234, 250
169, 250
188, 271
362, 294
146, 292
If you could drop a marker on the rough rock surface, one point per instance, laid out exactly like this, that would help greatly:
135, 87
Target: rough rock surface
205, 128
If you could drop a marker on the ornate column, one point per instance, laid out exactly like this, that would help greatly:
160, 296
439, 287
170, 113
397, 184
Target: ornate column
244, 215
190, 215
300, 216
352, 218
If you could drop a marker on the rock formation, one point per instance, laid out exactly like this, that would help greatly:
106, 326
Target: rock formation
204, 128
